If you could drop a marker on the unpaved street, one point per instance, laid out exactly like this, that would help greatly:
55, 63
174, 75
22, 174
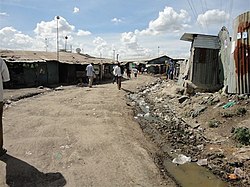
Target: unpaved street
78, 137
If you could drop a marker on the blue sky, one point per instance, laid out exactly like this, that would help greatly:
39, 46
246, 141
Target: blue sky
134, 29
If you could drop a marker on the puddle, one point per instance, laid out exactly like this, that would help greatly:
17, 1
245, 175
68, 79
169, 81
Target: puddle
192, 175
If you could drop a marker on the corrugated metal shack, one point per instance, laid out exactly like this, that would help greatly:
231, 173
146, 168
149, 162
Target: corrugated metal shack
35, 68
204, 64
239, 68
157, 65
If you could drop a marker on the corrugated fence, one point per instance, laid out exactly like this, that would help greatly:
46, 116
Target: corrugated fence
239, 81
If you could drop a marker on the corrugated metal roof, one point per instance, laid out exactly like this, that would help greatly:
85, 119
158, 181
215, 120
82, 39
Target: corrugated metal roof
202, 40
41, 56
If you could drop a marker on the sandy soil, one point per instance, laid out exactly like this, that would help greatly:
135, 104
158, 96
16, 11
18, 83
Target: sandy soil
77, 136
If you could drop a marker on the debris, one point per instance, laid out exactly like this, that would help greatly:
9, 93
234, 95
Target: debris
238, 172
183, 98
59, 88
181, 159
198, 110
28, 153
229, 104
242, 154
202, 162
232, 176
219, 105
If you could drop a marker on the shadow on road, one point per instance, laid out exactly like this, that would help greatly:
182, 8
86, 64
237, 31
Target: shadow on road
20, 173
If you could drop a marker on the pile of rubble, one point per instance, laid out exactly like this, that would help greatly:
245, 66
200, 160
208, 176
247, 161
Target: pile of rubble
199, 126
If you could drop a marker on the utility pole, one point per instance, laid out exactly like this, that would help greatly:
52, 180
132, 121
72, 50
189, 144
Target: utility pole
46, 44
66, 37
117, 56
57, 38
114, 55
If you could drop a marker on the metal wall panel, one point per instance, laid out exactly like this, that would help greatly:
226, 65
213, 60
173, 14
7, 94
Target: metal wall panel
205, 69
209, 42
240, 60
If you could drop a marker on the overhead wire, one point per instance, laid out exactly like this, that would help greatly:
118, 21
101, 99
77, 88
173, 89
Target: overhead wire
194, 12
230, 11
203, 3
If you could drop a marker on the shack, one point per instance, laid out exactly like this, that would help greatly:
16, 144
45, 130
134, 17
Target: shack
35, 68
157, 65
204, 66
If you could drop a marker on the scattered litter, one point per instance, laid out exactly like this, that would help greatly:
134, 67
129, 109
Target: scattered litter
181, 159
202, 162
198, 110
239, 173
139, 115
28, 153
229, 104
183, 98
146, 115
200, 147
59, 88
232, 176
219, 105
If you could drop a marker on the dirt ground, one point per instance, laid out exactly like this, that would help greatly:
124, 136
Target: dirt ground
76, 136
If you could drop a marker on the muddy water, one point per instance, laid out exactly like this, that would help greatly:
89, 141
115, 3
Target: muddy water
191, 174
186, 175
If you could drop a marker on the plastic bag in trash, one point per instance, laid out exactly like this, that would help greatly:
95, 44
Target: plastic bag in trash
181, 159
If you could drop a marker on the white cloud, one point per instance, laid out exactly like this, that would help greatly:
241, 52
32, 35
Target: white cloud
168, 21
12, 39
2, 14
116, 20
83, 33
212, 17
76, 10
100, 45
49, 29
131, 47
130, 40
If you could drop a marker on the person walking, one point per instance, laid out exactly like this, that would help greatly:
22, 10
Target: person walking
4, 77
135, 70
90, 74
118, 74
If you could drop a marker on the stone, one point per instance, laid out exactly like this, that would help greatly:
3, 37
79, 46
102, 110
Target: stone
183, 98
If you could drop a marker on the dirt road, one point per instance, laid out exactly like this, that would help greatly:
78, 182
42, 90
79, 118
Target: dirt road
78, 137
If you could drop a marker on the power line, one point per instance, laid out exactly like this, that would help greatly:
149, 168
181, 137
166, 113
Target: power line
230, 12
193, 11
203, 12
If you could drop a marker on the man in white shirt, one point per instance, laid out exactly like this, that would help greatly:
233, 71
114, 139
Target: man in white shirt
90, 73
4, 77
118, 74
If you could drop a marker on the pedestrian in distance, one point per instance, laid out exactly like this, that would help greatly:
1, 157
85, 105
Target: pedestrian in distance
135, 70
118, 73
128, 73
90, 74
114, 75
4, 77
